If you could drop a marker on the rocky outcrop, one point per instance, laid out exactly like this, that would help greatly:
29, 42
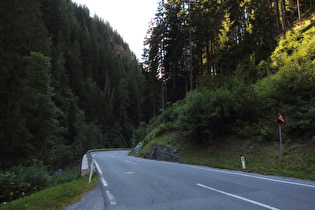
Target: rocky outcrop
161, 152
137, 148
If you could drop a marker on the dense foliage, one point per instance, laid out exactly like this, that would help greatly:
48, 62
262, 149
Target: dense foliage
69, 83
192, 39
231, 105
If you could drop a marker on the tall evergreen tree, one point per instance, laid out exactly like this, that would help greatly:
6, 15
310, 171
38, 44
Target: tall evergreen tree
61, 73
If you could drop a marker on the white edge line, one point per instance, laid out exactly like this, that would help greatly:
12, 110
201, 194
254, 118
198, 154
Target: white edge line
238, 197
104, 182
252, 176
98, 168
111, 198
264, 178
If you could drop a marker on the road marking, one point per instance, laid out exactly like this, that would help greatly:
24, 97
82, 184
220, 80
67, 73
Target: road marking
247, 175
131, 162
111, 198
238, 197
98, 169
130, 172
263, 178
104, 182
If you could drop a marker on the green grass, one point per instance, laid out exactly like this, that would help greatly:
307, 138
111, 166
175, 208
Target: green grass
264, 158
168, 139
56, 197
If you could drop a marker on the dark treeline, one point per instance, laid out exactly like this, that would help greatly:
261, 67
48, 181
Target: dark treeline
193, 39
69, 83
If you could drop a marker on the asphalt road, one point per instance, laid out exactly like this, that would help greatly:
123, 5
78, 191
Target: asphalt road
136, 183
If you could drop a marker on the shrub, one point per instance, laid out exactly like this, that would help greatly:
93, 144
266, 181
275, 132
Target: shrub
20, 181
202, 113
295, 90
68, 177
36, 176
11, 187
139, 134
215, 113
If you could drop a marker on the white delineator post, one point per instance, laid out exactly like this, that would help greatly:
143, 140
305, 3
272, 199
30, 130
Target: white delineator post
243, 162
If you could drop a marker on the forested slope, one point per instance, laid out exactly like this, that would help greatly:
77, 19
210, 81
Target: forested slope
227, 115
190, 41
243, 69
69, 83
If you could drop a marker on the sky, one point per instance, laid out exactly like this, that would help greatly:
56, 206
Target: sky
130, 18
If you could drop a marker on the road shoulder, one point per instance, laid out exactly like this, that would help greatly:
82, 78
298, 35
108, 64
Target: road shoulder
93, 200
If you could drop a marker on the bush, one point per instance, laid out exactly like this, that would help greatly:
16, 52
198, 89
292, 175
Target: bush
11, 187
36, 176
200, 114
290, 91
67, 177
62, 156
215, 113
295, 91
21, 180
139, 134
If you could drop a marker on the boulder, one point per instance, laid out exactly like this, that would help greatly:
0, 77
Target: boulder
164, 153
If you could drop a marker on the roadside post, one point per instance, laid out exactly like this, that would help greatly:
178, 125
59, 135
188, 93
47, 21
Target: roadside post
92, 169
280, 121
243, 162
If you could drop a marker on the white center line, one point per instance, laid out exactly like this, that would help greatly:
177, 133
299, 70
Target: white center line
111, 198
130, 172
238, 197
131, 162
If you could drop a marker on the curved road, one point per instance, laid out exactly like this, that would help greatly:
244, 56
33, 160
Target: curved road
135, 183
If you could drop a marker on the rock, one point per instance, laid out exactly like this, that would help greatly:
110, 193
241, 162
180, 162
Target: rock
146, 156
161, 152
137, 148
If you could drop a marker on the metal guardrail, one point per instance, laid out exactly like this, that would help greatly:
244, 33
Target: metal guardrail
91, 162
90, 152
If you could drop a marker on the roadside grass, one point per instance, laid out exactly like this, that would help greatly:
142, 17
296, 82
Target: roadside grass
298, 158
169, 139
56, 197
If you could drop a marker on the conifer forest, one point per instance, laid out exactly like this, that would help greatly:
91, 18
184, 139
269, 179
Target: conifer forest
69, 82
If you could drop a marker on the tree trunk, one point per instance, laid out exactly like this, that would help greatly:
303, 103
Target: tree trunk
190, 49
298, 7
276, 8
208, 58
162, 96
212, 58
282, 7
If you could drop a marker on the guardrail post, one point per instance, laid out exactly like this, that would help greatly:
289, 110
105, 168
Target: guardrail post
92, 169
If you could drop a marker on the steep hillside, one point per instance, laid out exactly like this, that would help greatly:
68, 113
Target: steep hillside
218, 122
